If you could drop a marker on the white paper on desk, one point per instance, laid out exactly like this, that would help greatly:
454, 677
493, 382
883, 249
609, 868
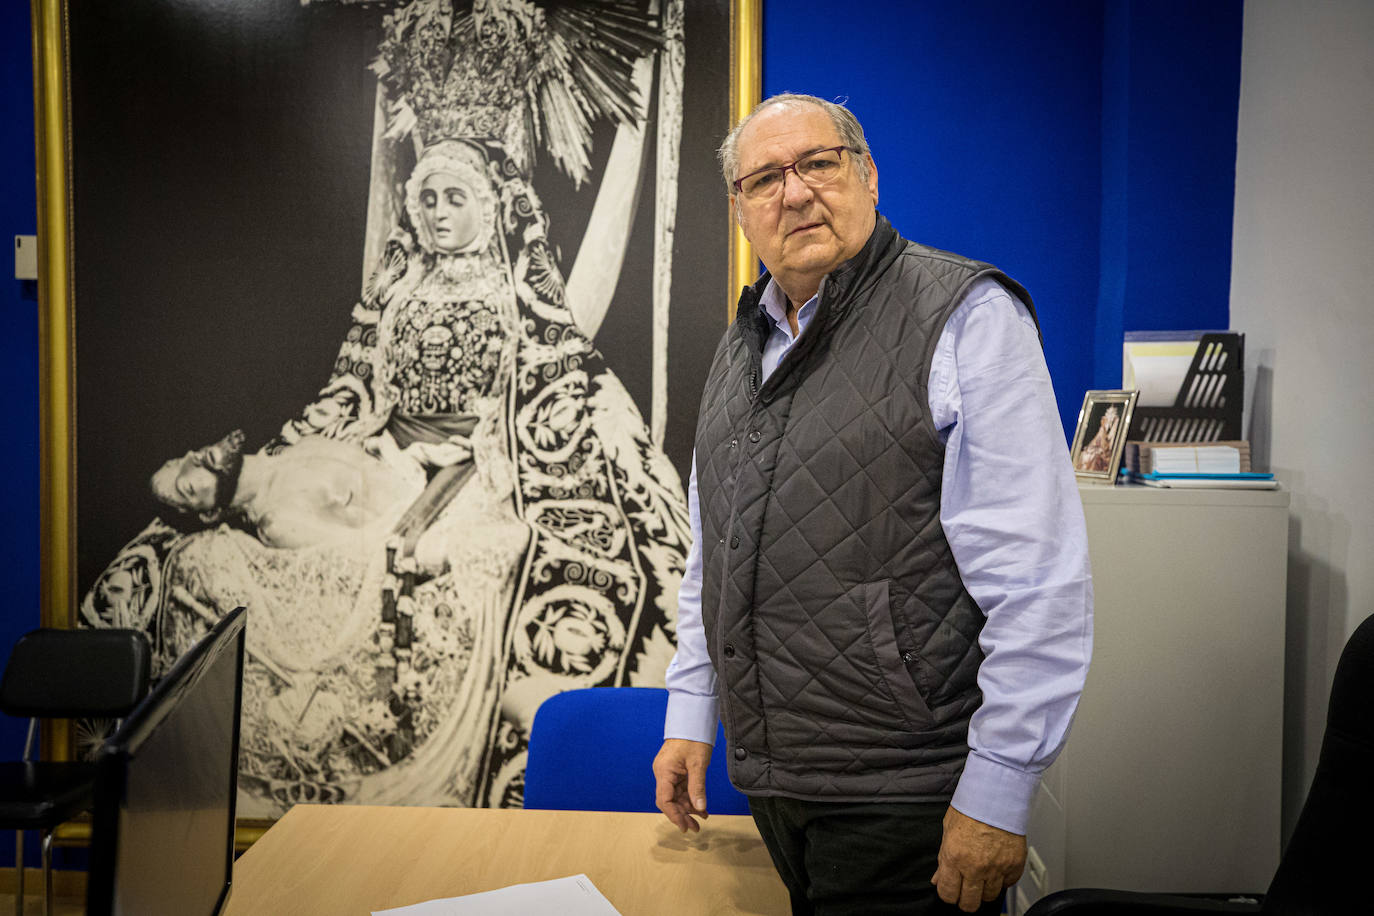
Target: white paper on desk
571, 896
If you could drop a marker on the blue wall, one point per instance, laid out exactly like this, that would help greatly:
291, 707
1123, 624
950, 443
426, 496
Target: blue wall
1170, 96
18, 360
1086, 147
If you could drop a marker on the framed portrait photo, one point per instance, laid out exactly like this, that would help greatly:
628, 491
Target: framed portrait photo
388, 320
1101, 434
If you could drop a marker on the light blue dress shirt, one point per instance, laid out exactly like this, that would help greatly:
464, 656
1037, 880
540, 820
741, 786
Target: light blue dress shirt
1012, 516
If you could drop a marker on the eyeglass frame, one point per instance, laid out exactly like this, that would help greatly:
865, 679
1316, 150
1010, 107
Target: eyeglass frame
790, 167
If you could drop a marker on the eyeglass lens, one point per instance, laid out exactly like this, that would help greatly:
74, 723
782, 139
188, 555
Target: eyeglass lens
817, 169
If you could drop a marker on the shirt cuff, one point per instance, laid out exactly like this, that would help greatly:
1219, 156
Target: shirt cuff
995, 794
691, 716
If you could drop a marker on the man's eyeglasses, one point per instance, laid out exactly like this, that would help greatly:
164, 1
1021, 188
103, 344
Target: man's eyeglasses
815, 169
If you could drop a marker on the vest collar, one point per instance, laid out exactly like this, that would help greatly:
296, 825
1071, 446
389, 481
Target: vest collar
836, 285
836, 299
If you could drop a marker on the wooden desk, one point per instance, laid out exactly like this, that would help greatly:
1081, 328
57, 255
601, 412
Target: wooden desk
334, 860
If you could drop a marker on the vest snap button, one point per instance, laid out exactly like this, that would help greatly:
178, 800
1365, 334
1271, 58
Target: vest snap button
734, 542
755, 435
906, 657
734, 443
729, 651
740, 753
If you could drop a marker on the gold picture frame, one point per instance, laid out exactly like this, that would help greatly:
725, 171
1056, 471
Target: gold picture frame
1100, 436
56, 127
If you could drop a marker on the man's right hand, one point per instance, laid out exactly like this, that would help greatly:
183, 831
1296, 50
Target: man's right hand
680, 770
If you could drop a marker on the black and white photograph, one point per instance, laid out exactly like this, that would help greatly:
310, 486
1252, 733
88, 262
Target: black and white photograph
390, 324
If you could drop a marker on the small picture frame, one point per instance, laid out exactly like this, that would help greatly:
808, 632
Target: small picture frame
1101, 435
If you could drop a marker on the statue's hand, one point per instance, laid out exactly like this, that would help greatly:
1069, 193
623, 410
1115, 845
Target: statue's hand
439, 454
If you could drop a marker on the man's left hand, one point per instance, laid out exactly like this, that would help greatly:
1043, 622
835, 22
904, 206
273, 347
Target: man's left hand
977, 861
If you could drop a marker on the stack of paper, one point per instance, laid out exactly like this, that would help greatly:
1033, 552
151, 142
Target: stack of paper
1195, 459
1156, 362
1209, 481
1138, 456
1197, 464
573, 896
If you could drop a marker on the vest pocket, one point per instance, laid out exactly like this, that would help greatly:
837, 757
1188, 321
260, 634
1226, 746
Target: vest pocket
900, 684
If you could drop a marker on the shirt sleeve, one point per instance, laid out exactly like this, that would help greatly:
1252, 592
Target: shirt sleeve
691, 680
1012, 516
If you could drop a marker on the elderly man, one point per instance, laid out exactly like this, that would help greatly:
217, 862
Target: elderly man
888, 600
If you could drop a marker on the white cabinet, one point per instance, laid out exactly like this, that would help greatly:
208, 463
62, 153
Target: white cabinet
1171, 777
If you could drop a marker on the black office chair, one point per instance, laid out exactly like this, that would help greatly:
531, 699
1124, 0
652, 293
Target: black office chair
1322, 872
62, 674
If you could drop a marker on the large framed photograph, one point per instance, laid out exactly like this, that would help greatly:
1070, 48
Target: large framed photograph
388, 321
1101, 434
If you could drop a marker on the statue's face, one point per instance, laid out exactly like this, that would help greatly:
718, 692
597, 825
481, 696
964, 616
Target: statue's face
191, 482
451, 210
187, 482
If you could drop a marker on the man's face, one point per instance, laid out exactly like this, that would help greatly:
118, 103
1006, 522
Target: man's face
803, 233
187, 482
452, 211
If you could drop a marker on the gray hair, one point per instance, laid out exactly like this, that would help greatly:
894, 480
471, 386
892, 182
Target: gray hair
846, 125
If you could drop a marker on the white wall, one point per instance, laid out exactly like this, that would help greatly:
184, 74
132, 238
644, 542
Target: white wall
1302, 289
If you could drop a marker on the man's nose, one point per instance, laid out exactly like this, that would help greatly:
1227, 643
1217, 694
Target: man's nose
795, 191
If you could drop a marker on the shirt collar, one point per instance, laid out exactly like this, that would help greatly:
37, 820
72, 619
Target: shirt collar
773, 303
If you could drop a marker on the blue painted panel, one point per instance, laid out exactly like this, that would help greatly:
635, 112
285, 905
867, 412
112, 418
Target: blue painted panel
984, 122
1185, 89
1086, 147
18, 364
19, 343
1171, 89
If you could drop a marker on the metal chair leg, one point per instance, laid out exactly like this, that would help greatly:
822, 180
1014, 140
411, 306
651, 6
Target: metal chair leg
19, 873
47, 873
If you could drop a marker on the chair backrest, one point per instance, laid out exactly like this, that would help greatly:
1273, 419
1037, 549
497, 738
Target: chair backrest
593, 750
1318, 874
1340, 801
79, 672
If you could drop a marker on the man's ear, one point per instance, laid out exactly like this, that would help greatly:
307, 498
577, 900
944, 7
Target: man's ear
873, 179
734, 207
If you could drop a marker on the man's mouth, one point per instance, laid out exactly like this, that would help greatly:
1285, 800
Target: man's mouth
804, 227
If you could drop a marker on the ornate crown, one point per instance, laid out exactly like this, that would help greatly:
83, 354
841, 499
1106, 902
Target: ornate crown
510, 72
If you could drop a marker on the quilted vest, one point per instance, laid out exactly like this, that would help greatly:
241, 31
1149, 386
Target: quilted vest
844, 641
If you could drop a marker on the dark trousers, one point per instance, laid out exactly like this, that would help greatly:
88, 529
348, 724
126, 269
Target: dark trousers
870, 859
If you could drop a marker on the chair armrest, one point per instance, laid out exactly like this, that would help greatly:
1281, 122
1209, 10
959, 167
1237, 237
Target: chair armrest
1092, 901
